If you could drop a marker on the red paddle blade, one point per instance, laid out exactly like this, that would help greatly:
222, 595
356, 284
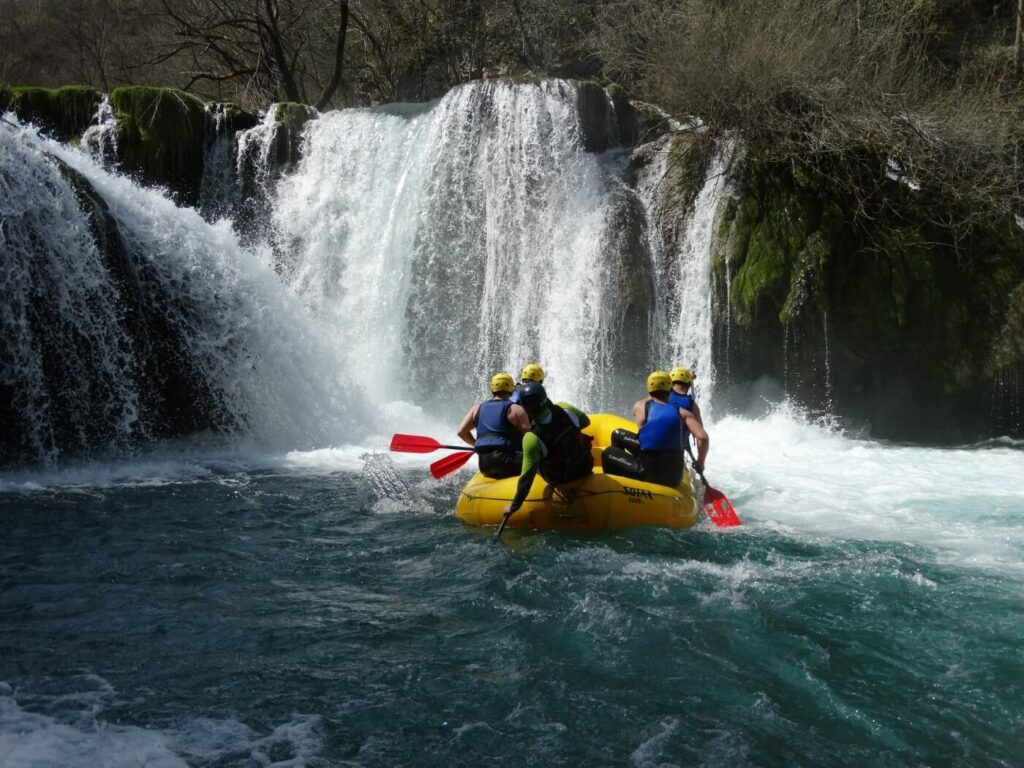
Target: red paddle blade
719, 508
414, 444
449, 464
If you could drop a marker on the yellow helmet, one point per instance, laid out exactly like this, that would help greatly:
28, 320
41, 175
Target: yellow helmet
502, 382
659, 381
684, 375
533, 372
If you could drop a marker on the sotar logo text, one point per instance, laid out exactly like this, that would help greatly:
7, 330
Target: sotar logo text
639, 492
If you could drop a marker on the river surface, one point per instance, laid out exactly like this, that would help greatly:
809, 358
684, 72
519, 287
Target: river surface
326, 609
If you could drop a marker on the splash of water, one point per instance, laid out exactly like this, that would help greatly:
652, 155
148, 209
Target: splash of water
447, 241
691, 312
100, 138
57, 308
273, 373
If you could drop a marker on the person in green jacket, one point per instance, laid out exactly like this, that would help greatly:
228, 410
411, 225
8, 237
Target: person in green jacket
555, 446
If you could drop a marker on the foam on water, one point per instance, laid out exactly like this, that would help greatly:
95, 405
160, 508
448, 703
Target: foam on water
73, 732
786, 472
275, 369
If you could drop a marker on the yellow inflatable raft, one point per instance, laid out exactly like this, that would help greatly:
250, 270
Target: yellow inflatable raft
594, 503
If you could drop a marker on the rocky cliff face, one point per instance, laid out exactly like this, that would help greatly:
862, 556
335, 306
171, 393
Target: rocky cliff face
864, 307
882, 317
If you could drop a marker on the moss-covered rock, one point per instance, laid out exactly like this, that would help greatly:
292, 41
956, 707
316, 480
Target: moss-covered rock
783, 233
63, 112
688, 157
1009, 347
608, 117
291, 118
161, 135
595, 116
237, 118
866, 304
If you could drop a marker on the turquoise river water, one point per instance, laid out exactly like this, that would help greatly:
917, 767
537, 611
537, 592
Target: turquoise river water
328, 609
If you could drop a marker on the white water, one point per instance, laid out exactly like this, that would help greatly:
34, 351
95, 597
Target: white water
274, 368
448, 241
48, 251
691, 320
418, 249
73, 731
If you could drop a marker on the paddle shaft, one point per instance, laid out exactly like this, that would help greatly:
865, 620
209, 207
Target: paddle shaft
504, 521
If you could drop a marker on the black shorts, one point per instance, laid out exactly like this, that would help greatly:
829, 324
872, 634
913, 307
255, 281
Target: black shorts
497, 464
616, 461
663, 467
624, 458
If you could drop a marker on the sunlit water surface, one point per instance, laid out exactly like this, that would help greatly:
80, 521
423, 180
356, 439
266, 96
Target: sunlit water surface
326, 608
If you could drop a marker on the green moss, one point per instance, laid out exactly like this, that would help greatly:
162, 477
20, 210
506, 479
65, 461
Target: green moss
291, 117
65, 112
161, 134
238, 119
1009, 347
807, 278
684, 176
783, 234
721, 243
764, 273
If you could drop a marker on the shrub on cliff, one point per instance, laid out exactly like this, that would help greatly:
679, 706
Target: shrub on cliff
161, 134
64, 112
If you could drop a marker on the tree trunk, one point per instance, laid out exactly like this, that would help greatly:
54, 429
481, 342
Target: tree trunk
291, 89
339, 55
1017, 37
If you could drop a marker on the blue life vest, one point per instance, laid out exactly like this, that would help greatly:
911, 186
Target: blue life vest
514, 397
663, 430
681, 401
493, 429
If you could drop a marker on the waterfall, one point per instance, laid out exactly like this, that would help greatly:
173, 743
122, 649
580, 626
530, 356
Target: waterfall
174, 313
56, 311
691, 319
100, 138
240, 171
448, 241
413, 251
681, 254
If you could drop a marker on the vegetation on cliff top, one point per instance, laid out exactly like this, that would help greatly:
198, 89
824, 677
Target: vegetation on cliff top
65, 112
161, 134
932, 86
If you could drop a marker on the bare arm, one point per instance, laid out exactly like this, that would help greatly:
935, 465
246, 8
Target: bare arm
468, 424
699, 434
640, 412
518, 418
696, 413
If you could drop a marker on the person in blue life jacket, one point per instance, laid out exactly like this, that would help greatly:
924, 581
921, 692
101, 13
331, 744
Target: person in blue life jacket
656, 454
532, 372
682, 391
500, 425
555, 446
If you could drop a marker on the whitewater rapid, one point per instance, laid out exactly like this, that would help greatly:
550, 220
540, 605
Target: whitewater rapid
785, 473
416, 249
